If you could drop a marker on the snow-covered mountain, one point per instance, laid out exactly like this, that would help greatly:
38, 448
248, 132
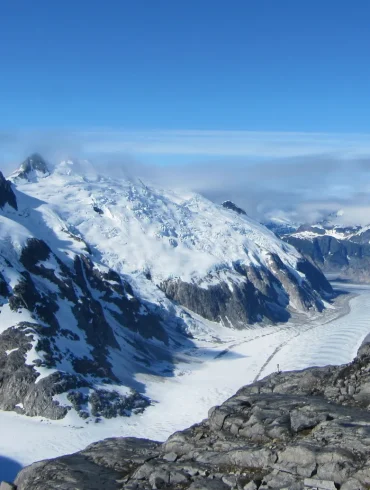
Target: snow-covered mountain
334, 246
101, 279
281, 226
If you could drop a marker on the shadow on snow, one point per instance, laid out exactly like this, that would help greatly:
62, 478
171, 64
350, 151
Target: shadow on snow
9, 469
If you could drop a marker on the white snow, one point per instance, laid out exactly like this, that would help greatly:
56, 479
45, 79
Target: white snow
33, 355
335, 232
8, 352
9, 318
205, 376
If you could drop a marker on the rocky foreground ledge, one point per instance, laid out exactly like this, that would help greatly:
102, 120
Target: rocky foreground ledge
295, 430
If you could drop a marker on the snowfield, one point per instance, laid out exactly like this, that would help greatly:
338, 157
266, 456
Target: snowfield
205, 376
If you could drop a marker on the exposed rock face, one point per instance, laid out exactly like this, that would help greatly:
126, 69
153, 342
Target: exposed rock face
233, 207
296, 430
260, 294
7, 195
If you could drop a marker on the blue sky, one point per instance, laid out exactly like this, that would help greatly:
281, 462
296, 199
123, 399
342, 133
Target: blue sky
256, 65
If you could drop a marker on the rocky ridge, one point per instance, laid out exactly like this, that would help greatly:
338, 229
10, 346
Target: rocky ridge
306, 429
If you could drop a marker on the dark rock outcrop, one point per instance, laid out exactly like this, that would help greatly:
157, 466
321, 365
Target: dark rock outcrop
100, 466
295, 430
7, 195
233, 207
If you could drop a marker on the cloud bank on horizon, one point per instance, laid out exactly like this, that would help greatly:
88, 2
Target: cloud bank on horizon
300, 176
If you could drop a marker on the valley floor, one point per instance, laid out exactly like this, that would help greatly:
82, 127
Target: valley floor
204, 377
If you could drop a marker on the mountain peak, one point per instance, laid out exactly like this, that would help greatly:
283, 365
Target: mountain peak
33, 168
81, 167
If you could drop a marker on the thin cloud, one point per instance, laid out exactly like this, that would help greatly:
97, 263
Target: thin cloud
224, 143
207, 143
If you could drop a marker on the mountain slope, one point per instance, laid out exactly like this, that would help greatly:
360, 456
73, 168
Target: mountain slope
100, 279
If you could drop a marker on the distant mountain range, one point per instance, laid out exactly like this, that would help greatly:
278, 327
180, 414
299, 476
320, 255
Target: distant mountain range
334, 247
102, 278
